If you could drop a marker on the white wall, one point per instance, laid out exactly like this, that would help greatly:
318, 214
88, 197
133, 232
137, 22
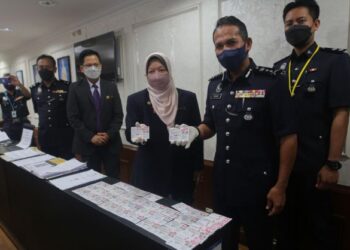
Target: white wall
182, 29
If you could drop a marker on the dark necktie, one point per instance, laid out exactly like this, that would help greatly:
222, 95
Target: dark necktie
97, 102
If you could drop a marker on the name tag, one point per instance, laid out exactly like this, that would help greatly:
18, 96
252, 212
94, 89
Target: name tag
216, 96
253, 93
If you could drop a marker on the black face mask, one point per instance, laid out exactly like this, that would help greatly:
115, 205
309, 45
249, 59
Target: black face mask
46, 75
298, 35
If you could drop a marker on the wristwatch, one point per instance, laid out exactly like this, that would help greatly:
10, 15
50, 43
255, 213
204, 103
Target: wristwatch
334, 165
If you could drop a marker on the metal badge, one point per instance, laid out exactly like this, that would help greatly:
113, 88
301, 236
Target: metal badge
311, 88
219, 88
248, 117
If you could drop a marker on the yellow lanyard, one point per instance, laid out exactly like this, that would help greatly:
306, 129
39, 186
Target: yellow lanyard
292, 90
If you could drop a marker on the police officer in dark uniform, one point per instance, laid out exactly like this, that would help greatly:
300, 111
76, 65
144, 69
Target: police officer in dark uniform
14, 107
49, 100
319, 82
252, 115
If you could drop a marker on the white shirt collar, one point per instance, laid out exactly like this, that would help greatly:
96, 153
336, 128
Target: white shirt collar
97, 83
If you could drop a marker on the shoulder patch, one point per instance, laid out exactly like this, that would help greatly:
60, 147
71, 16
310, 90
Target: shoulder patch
334, 50
265, 70
216, 77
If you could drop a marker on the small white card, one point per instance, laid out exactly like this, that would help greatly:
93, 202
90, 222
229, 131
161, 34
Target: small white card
140, 132
179, 134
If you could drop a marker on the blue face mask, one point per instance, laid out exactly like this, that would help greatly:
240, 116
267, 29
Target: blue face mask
231, 59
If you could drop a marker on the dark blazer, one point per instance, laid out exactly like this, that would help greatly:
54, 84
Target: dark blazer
158, 166
82, 116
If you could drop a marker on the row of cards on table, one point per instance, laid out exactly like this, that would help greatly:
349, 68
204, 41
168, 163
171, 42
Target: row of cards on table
180, 226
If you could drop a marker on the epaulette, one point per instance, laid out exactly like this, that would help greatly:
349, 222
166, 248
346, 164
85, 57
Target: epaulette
283, 59
265, 70
216, 77
334, 50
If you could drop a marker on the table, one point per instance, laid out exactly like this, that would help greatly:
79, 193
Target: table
41, 216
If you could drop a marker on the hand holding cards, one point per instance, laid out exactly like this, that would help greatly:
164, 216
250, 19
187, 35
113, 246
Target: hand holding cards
179, 134
139, 133
183, 135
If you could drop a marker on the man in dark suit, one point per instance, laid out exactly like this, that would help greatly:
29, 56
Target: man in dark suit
95, 112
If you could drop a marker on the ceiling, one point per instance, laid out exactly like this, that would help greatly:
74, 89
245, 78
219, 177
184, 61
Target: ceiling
29, 21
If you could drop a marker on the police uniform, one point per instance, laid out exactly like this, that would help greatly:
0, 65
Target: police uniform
14, 113
249, 117
55, 133
324, 85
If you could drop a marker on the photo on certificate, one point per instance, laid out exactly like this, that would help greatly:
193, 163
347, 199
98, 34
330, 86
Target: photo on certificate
64, 72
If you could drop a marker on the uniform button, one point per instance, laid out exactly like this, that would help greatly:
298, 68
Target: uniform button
49, 97
249, 109
227, 148
296, 69
293, 80
232, 93
212, 106
49, 111
227, 120
229, 106
227, 133
49, 118
228, 161
50, 125
312, 81
321, 137
49, 103
265, 173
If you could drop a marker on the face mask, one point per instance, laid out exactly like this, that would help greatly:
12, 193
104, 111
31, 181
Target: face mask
46, 75
92, 72
158, 80
298, 35
231, 59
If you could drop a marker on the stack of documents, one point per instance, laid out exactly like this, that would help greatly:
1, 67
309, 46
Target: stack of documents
181, 226
78, 179
21, 154
48, 170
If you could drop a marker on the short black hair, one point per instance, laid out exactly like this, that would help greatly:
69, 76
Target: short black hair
44, 56
88, 52
311, 5
156, 58
232, 20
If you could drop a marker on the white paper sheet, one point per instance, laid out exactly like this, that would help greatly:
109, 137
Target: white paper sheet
26, 138
3, 136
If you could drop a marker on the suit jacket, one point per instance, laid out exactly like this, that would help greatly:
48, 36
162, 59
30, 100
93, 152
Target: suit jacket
82, 116
158, 166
